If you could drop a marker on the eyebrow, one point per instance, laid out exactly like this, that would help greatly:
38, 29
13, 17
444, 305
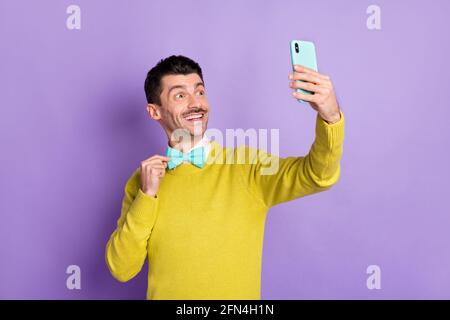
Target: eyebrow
184, 87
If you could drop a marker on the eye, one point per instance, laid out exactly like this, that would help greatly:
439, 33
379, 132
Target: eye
201, 92
179, 95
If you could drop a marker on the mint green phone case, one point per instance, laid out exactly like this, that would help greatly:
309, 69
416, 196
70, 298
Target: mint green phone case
303, 53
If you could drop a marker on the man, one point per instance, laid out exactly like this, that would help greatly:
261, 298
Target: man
198, 218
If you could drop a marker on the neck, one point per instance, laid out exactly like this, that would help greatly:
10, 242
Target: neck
185, 144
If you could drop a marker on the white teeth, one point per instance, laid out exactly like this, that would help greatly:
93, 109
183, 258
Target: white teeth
195, 116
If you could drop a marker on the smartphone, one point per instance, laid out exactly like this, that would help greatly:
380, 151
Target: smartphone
303, 53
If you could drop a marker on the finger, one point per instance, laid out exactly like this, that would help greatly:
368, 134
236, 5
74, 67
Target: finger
164, 158
312, 78
162, 164
158, 166
324, 91
150, 164
158, 173
303, 96
308, 77
156, 162
305, 85
300, 68
150, 169
155, 166
159, 159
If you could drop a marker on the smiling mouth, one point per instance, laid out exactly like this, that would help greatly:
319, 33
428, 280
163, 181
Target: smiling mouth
195, 117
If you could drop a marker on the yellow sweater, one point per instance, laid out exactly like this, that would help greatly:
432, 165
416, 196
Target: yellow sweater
203, 233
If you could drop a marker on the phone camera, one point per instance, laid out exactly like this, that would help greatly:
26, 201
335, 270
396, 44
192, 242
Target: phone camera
296, 47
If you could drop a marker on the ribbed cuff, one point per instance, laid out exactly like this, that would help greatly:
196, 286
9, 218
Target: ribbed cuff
332, 135
143, 206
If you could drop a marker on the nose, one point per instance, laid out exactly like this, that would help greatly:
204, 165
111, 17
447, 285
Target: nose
194, 102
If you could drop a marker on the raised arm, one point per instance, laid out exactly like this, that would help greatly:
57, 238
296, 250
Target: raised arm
296, 177
126, 249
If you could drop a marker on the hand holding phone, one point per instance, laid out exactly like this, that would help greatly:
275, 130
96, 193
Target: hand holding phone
303, 53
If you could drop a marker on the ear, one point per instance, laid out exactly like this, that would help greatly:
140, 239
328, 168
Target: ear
153, 111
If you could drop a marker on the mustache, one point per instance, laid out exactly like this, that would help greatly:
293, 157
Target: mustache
193, 111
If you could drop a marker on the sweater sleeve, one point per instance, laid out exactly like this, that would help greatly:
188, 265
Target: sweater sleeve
295, 177
126, 249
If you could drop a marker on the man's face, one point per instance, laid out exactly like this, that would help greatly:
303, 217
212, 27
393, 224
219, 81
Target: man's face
183, 104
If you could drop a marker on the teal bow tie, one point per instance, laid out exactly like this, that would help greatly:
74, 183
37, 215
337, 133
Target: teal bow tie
195, 156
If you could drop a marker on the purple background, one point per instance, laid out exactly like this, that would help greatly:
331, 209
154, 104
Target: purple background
73, 127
